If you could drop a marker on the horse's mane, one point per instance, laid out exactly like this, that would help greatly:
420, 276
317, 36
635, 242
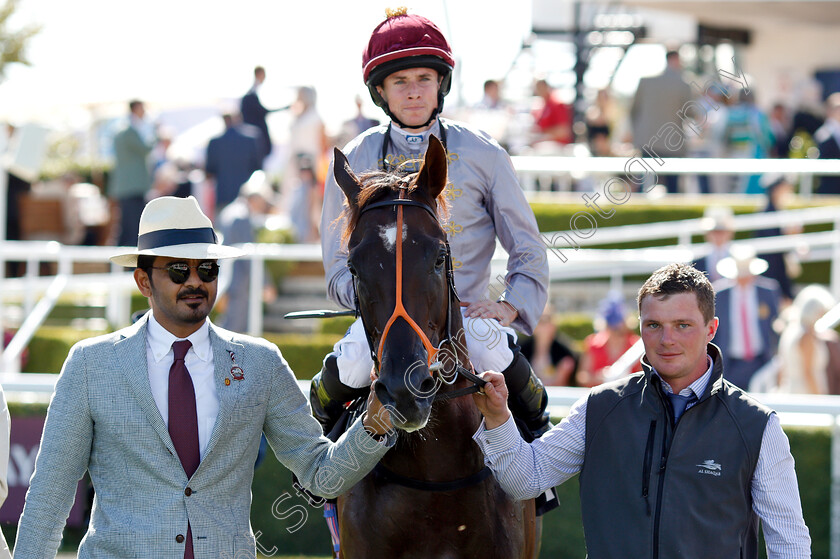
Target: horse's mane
375, 185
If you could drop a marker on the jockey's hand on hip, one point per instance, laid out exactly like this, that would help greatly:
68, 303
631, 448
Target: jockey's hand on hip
492, 400
502, 311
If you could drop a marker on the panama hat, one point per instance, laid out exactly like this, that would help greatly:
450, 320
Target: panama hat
176, 228
741, 262
718, 218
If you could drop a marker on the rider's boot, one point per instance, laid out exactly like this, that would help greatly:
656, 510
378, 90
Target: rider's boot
328, 395
527, 398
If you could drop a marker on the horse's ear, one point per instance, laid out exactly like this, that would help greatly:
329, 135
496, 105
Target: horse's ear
433, 172
345, 178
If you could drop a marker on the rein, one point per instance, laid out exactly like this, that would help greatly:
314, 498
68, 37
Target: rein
400, 312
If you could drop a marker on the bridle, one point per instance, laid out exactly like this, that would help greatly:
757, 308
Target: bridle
399, 309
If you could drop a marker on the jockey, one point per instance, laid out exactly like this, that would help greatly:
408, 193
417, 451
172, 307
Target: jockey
408, 70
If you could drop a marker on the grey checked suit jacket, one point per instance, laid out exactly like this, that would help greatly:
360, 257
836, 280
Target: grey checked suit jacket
103, 419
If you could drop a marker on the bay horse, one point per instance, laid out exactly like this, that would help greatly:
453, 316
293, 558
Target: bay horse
431, 495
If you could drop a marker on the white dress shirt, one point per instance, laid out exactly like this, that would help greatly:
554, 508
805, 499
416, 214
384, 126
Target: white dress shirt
526, 470
199, 362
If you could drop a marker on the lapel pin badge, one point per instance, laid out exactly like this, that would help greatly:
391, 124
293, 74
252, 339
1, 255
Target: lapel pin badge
235, 370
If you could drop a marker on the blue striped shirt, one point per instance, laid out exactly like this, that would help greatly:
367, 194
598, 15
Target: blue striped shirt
526, 470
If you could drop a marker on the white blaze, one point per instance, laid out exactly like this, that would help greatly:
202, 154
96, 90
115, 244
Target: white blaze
388, 234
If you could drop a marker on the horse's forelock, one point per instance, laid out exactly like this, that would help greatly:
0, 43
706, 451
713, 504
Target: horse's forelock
375, 185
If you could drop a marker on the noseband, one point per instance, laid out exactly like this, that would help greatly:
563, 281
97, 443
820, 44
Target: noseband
400, 312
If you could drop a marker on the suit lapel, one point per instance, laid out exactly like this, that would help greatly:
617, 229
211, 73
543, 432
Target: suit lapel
131, 355
226, 355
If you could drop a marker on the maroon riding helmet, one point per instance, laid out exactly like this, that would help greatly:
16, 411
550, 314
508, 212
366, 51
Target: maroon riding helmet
406, 41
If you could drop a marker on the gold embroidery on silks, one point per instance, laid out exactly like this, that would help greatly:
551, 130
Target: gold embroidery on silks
456, 264
452, 228
451, 192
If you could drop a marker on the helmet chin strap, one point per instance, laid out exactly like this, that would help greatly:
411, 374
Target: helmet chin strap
405, 126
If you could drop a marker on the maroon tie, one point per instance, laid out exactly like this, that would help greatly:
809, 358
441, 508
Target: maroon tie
183, 420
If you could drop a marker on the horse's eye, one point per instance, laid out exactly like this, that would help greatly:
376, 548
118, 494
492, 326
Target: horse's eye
441, 260
351, 269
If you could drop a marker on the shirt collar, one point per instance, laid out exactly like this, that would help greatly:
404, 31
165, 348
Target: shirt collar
160, 340
698, 387
412, 139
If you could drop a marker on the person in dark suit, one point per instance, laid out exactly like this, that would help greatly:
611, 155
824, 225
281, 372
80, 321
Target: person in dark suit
747, 304
254, 113
232, 158
828, 141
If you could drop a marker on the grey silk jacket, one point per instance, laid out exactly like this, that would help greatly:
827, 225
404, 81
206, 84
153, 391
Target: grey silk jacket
486, 202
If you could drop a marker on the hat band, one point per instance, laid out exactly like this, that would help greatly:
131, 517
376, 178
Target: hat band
170, 237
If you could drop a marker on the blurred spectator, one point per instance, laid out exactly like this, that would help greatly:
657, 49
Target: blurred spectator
828, 142
747, 304
492, 99
160, 153
803, 352
254, 113
356, 125
549, 354
494, 115
306, 202
231, 159
131, 178
307, 135
553, 119
708, 142
171, 178
782, 266
808, 116
658, 101
719, 226
601, 115
780, 125
748, 135
598, 138
238, 223
613, 337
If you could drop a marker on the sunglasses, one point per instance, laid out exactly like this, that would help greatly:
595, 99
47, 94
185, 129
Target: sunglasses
180, 272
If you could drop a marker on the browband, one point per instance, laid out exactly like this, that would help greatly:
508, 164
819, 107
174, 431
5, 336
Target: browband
400, 202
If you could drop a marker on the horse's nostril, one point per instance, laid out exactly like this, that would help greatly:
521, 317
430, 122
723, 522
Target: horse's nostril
427, 386
382, 393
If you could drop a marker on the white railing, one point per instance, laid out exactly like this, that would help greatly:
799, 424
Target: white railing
531, 166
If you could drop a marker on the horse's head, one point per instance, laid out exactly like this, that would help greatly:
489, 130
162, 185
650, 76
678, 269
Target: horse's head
398, 255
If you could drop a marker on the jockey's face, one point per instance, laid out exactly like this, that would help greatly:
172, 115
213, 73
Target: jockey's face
411, 95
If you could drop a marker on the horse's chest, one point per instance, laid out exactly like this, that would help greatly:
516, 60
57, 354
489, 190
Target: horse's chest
461, 524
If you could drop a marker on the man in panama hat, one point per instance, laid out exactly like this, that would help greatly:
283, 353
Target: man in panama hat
166, 416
